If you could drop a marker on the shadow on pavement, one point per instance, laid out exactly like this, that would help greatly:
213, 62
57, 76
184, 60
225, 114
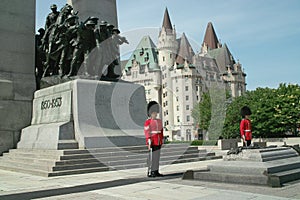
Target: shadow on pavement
84, 188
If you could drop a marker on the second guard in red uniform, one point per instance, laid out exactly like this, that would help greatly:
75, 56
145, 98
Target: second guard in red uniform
245, 126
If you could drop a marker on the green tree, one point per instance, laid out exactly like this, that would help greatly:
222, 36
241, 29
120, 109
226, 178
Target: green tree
202, 112
274, 112
209, 113
232, 122
287, 108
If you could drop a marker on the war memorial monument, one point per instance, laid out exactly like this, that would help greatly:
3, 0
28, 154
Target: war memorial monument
81, 110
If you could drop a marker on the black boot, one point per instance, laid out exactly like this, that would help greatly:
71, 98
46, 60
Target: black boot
158, 174
152, 174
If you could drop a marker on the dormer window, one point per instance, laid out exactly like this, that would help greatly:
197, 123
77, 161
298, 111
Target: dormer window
142, 52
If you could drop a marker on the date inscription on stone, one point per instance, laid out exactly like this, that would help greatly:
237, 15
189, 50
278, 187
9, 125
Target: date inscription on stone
51, 103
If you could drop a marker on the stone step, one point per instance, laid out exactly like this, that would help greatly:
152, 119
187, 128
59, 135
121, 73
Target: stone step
121, 154
281, 154
8, 167
231, 178
166, 147
273, 149
76, 161
163, 154
53, 155
278, 157
276, 153
22, 154
234, 167
38, 151
143, 159
67, 144
20, 164
283, 165
161, 163
288, 176
78, 171
28, 160
51, 170
79, 166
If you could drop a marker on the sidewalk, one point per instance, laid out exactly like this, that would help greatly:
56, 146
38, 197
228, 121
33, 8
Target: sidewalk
132, 184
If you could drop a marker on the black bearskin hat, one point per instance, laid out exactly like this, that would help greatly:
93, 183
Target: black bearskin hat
245, 111
153, 106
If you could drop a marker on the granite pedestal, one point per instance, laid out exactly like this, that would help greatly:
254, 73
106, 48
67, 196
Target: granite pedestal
93, 114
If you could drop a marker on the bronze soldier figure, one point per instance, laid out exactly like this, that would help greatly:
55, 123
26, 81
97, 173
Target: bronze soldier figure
84, 44
52, 17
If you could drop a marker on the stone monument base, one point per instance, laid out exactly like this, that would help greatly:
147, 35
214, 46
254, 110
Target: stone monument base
86, 114
266, 166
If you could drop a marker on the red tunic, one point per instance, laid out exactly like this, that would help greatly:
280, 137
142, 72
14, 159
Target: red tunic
153, 130
245, 129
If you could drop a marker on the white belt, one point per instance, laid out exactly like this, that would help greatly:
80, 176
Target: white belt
247, 130
155, 132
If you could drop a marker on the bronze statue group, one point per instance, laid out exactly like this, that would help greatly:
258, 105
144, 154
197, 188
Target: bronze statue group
67, 47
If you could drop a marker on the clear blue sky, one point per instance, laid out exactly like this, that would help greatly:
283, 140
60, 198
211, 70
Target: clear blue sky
263, 35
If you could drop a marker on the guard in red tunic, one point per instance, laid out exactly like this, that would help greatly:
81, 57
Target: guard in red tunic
153, 130
245, 126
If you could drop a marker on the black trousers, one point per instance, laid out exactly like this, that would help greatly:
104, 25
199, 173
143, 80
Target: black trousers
247, 143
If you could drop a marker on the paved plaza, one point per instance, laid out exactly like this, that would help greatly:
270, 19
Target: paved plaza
132, 184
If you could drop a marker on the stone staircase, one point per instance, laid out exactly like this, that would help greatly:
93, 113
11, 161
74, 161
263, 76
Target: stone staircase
269, 166
77, 161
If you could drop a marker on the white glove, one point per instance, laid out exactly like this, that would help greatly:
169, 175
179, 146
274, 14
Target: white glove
149, 143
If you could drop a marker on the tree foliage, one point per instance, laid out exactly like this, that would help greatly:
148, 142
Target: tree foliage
275, 112
209, 114
202, 112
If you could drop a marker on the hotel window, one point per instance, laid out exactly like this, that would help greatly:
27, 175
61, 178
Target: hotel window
177, 98
178, 119
187, 107
187, 118
177, 108
177, 89
187, 98
186, 88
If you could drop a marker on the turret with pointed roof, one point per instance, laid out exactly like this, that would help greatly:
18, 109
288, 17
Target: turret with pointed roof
185, 52
166, 21
210, 38
167, 43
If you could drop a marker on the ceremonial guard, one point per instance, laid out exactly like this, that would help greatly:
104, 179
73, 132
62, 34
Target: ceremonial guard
153, 130
245, 126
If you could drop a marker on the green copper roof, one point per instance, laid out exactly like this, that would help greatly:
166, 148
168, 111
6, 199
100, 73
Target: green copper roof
145, 54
